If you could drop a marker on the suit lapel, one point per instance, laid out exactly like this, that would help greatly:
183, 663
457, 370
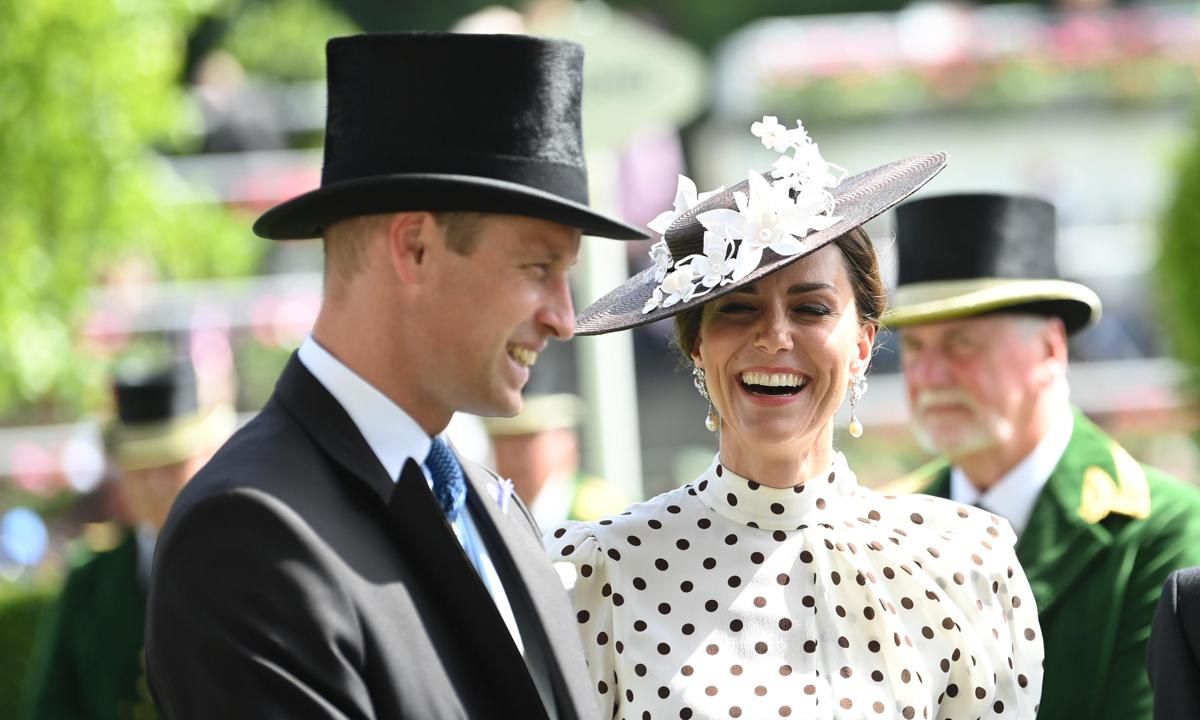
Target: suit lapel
1057, 544
430, 544
534, 590
330, 427
422, 535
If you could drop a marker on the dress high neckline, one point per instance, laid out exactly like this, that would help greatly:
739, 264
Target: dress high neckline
746, 501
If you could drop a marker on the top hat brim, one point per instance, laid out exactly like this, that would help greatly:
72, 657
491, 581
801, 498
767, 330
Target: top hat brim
857, 200
937, 301
307, 216
147, 445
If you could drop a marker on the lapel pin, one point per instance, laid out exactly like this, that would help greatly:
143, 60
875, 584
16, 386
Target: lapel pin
504, 493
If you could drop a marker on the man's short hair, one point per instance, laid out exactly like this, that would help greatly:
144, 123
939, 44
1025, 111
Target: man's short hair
346, 242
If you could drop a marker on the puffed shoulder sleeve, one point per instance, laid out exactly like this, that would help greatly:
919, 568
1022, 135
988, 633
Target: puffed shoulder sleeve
579, 559
1004, 616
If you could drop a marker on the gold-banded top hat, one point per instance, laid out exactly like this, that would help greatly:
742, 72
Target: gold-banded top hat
974, 254
541, 413
158, 419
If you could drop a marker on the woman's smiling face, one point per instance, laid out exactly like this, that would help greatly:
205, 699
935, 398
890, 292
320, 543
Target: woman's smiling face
778, 354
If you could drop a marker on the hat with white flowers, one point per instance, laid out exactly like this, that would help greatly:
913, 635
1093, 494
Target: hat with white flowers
715, 242
450, 122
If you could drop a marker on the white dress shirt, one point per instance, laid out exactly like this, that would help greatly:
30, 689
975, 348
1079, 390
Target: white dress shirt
395, 437
1015, 494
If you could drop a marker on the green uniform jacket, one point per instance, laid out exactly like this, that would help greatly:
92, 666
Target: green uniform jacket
91, 667
1103, 536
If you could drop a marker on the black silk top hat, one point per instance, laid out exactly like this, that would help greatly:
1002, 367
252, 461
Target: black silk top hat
716, 243
449, 122
966, 255
158, 419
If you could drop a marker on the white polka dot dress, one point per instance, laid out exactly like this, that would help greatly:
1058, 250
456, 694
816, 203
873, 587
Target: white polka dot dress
727, 599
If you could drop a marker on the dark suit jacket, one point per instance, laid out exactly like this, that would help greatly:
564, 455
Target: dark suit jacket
1104, 534
295, 579
1174, 656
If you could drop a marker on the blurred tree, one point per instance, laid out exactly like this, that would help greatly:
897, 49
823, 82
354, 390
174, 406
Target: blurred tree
284, 39
1179, 263
85, 87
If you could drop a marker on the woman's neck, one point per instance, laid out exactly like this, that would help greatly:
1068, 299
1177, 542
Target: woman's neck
779, 466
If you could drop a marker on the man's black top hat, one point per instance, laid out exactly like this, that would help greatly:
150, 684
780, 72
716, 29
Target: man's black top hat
966, 255
155, 397
158, 419
448, 122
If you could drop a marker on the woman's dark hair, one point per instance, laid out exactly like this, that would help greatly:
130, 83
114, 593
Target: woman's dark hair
862, 265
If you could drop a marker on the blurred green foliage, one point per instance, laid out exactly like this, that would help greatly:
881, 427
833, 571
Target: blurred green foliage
284, 39
85, 87
1178, 269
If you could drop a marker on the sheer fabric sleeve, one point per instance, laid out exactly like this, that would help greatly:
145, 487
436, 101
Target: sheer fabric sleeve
581, 564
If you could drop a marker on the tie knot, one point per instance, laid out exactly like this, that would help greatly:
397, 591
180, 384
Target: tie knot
449, 486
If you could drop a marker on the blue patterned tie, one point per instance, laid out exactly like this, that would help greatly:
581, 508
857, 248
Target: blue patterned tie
449, 486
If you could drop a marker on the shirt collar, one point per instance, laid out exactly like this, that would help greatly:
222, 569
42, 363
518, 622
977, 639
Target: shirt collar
1015, 494
390, 432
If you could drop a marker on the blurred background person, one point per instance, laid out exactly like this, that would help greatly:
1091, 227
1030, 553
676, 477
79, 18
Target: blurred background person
1173, 660
983, 319
90, 664
1174, 657
538, 450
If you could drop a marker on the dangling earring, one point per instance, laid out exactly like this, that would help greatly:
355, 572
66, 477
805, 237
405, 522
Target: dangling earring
712, 421
858, 388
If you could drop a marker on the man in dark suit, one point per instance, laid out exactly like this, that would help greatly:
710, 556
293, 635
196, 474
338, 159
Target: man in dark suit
983, 320
1174, 656
336, 559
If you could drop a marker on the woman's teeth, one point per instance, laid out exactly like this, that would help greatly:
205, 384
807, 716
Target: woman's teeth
522, 355
772, 379
772, 383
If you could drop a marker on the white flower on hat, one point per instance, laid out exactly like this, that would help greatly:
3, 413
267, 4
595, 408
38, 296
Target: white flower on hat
772, 134
806, 164
686, 198
678, 286
661, 255
716, 264
770, 217
655, 300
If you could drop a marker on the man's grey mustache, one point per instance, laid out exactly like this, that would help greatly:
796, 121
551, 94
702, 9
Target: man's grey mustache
931, 398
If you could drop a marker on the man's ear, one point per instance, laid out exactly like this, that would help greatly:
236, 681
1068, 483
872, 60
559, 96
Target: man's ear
1053, 341
407, 238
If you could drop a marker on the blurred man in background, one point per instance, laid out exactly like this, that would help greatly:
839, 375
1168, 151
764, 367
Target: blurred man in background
983, 320
538, 450
90, 663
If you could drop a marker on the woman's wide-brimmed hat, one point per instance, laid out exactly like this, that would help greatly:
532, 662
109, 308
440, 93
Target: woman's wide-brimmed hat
449, 122
717, 242
967, 255
159, 420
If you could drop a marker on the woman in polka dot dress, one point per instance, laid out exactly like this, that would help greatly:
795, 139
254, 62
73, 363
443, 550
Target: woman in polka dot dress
774, 585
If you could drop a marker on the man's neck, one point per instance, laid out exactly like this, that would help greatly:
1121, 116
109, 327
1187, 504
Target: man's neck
987, 467
367, 357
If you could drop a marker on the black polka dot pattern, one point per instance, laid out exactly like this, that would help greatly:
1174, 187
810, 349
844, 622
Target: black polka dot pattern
729, 598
